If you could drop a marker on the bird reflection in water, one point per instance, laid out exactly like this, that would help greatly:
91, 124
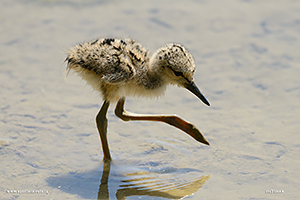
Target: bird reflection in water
103, 189
149, 184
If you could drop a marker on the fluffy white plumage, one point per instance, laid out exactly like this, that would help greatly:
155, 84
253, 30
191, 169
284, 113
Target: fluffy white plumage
119, 68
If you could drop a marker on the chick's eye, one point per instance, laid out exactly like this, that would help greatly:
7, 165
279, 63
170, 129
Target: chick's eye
178, 73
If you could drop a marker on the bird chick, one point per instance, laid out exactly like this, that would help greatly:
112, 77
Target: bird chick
119, 68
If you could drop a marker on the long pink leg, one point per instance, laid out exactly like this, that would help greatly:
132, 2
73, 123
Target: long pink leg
172, 120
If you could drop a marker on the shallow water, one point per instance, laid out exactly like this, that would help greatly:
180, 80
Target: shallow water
247, 54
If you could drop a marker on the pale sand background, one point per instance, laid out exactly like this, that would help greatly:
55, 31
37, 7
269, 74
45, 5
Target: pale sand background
247, 53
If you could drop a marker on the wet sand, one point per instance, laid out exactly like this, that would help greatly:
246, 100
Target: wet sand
247, 57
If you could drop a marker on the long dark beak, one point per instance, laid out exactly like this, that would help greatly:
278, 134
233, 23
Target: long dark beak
194, 89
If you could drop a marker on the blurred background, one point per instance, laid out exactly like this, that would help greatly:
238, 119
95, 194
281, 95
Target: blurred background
247, 57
